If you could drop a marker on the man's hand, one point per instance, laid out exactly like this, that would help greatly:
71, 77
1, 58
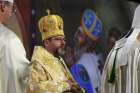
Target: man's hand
75, 88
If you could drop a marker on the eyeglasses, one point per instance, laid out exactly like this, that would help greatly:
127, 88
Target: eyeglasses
10, 5
57, 38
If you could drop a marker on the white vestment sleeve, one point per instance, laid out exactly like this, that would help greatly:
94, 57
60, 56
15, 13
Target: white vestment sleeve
16, 63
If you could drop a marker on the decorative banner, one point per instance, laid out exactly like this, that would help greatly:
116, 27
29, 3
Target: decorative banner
81, 76
91, 25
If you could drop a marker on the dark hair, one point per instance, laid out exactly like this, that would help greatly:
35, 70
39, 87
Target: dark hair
115, 32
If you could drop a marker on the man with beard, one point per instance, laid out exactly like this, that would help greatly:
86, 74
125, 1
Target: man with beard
49, 72
87, 53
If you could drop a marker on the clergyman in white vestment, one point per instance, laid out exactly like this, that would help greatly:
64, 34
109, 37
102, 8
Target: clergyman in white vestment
13, 61
121, 72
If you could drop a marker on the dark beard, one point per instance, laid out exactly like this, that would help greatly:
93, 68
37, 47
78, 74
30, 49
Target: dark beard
59, 52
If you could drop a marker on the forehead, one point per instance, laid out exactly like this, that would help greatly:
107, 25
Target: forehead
58, 37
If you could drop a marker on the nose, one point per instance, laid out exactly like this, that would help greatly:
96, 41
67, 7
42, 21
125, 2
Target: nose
63, 42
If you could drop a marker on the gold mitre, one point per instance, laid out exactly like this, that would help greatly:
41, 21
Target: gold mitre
50, 26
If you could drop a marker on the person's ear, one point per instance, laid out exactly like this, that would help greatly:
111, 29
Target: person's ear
45, 42
2, 6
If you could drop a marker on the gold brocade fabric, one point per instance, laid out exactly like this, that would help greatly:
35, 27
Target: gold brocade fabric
48, 73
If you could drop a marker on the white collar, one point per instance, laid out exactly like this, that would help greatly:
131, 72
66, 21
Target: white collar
135, 25
136, 19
